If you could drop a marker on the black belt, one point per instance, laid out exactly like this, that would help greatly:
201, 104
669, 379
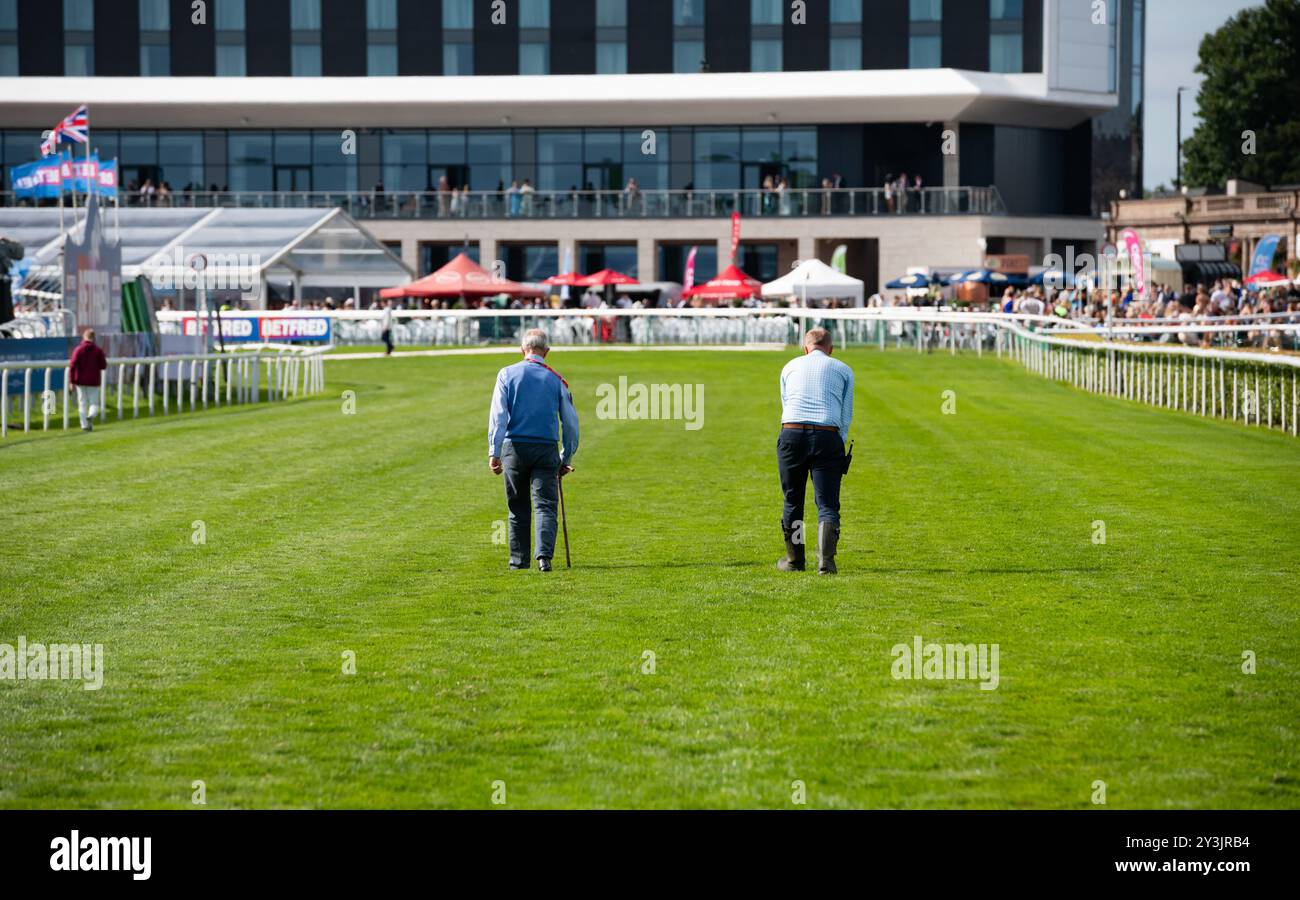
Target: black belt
799, 426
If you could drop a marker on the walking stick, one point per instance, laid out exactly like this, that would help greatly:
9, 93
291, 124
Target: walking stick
564, 521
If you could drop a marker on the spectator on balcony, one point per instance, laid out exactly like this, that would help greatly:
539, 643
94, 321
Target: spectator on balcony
512, 199
920, 197
455, 201
526, 193
444, 196
147, 192
889, 192
826, 196
782, 197
765, 199
631, 194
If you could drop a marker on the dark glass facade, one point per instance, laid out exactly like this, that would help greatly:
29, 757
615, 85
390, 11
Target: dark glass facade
1117, 136
459, 37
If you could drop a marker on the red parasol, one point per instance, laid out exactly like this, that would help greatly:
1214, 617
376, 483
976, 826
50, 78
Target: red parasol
731, 282
606, 277
570, 279
462, 277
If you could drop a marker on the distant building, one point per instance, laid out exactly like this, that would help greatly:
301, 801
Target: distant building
374, 105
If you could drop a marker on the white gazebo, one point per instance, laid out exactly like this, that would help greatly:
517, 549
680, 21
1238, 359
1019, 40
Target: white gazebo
814, 280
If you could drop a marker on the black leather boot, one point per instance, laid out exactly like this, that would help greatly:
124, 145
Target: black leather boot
828, 539
794, 552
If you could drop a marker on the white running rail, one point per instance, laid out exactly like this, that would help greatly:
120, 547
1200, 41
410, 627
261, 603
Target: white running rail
166, 383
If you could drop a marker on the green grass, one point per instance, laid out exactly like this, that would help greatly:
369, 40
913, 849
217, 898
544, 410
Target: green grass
372, 533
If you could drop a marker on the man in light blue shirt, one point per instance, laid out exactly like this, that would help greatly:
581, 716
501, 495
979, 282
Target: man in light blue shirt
532, 412
816, 411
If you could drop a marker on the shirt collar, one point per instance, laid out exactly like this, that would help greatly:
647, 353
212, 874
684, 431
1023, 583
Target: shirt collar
533, 357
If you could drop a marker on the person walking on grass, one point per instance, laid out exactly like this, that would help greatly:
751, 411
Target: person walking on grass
816, 412
84, 368
532, 412
387, 324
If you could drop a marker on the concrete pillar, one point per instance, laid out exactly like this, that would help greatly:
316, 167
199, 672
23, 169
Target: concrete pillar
724, 255
646, 260
569, 246
952, 161
807, 249
410, 256
487, 252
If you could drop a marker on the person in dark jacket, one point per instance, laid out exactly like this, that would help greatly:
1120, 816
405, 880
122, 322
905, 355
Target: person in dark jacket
84, 368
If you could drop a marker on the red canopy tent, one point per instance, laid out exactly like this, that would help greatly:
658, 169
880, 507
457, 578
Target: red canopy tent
1268, 279
571, 279
606, 277
730, 283
462, 277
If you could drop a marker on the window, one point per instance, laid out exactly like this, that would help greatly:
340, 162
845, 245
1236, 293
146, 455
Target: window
534, 58
687, 56
155, 46
688, 13
155, 60
765, 55
8, 38
305, 53
611, 57
847, 12
1006, 36
535, 14
611, 13
381, 37
230, 15
381, 15
381, 59
1006, 53
457, 15
304, 15
230, 60
925, 44
305, 60
611, 37
458, 58
534, 37
78, 15
846, 53
765, 35
457, 37
78, 38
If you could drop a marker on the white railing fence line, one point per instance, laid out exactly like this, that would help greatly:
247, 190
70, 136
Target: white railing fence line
265, 373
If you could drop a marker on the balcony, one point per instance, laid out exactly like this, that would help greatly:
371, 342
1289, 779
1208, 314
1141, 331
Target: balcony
646, 204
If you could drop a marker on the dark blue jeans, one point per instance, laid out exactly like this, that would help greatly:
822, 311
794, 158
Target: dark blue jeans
532, 474
816, 453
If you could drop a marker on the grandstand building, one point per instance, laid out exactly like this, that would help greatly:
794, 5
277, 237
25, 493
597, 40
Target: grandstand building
638, 126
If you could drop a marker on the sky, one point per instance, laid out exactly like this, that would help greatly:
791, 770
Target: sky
1174, 32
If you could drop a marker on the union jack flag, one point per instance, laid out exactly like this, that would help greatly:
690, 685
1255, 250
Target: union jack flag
75, 127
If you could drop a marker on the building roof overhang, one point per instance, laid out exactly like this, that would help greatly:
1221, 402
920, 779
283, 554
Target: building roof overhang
485, 101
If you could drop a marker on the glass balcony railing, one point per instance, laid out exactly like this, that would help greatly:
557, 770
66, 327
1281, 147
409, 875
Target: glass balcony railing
641, 204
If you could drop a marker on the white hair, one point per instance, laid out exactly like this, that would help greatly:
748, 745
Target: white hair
535, 340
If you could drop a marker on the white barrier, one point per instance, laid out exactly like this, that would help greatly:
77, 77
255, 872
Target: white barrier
267, 373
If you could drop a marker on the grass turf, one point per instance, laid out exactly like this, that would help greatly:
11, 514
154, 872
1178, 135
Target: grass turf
373, 533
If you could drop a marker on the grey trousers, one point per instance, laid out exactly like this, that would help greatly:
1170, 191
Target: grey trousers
532, 482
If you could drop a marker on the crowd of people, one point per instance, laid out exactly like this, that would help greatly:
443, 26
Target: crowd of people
1223, 303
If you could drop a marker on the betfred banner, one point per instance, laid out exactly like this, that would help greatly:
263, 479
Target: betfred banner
735, 235
40, 180
1133, 246
688, 281
274, 329
1265, 250
105, 177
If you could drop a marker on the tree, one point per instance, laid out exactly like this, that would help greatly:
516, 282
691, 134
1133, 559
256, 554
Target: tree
1250, 100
